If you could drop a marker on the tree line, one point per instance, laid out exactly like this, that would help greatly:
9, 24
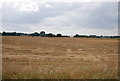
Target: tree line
43, 34
95, 36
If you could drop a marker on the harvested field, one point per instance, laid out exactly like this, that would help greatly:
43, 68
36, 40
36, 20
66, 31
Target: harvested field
59, 58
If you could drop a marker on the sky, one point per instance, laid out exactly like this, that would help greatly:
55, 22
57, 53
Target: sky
66, 17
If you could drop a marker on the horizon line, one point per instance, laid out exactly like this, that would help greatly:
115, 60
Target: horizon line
57, 33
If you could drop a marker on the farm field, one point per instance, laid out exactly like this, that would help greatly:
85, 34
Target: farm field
59, 58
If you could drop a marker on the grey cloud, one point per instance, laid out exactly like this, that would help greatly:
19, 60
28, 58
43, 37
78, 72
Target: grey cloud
13, 15
102, 17
63, 16
15, 27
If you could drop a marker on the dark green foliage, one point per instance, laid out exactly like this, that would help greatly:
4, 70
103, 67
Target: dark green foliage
43, 34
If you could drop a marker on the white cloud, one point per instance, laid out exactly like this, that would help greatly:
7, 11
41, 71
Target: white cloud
43, 1
27, 6
64, 17
47, 5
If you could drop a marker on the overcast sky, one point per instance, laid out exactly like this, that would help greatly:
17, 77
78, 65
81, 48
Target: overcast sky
69, 18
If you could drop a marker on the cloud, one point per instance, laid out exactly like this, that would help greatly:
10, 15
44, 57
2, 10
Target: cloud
65, 17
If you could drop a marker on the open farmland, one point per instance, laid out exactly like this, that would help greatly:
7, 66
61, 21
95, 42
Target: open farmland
59, 58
